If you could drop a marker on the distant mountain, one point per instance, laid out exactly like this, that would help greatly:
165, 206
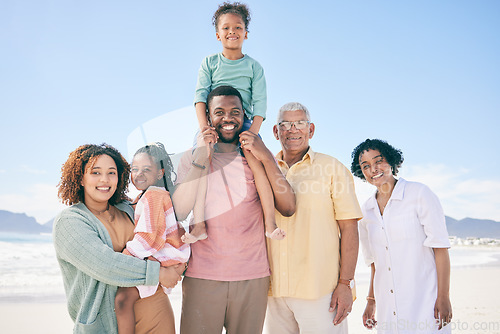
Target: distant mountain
49, 224
470, 227
467, 227
21, 223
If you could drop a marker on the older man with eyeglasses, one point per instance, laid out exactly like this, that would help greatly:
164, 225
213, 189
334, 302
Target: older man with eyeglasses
313, 268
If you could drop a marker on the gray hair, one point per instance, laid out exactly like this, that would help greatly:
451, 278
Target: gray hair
292, 106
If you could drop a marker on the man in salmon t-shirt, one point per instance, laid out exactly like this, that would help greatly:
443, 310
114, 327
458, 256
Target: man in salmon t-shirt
227, 281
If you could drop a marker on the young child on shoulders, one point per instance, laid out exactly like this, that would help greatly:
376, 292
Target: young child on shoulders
157, 233
232, 67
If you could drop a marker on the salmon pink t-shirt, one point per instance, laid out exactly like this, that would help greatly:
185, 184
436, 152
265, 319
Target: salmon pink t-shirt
235, 249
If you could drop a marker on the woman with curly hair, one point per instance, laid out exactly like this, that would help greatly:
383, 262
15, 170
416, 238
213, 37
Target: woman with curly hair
404, 239
89, 237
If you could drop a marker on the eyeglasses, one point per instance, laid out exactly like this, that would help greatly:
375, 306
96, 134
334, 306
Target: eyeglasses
299, 125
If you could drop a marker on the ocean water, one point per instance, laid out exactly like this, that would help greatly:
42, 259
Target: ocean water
29, 270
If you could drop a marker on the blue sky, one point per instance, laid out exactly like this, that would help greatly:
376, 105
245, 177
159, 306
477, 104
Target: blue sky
423, 75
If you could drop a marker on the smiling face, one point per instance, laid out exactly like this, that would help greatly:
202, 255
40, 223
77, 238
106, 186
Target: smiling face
294, 141
100, 181
226, 116
144, 171
231, 31
375, 168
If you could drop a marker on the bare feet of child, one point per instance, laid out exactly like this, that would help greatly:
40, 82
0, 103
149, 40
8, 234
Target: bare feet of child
277, 234
199, 232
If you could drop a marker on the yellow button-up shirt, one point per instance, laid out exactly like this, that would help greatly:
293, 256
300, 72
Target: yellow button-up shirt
306, 263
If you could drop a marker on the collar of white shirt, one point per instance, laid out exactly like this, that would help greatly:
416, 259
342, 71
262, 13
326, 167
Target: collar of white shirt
397, 194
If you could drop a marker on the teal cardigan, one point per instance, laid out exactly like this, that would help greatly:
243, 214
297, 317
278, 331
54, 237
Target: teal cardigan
92, 271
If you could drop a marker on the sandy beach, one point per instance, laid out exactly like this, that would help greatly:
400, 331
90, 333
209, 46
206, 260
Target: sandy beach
474, 295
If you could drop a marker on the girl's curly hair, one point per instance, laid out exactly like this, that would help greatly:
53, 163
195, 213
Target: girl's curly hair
236, 8
393, 155
70, 189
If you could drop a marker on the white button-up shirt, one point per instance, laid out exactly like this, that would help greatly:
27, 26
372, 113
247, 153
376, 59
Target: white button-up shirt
400, 244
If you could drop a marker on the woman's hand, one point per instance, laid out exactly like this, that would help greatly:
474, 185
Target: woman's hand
442, 311
369, 315
442, 308
169, 276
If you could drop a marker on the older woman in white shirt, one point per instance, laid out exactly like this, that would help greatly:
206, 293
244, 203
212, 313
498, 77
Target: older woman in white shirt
404, 239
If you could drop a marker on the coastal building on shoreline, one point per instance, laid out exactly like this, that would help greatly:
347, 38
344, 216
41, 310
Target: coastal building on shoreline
473, 241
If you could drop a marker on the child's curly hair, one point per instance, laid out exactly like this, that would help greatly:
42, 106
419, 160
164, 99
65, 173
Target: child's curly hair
236, 8
393, 155
70, 189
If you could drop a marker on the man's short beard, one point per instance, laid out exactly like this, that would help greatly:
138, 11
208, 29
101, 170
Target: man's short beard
230, 141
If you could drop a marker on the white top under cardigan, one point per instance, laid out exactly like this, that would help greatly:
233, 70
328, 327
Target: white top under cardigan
400, 244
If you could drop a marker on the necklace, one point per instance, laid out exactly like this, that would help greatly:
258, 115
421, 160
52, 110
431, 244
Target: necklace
109, 217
